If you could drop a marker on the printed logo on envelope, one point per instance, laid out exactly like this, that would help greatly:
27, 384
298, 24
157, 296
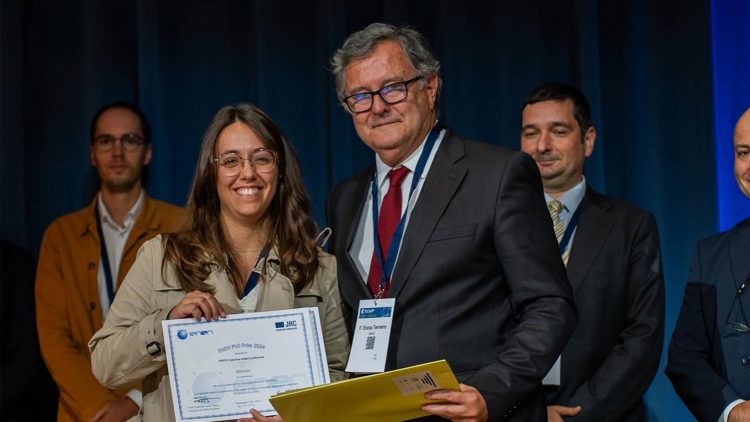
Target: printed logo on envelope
416, 382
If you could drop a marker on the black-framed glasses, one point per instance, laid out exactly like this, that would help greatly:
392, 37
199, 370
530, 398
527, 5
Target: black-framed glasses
263, 160
734, 323
129, 141
390, 94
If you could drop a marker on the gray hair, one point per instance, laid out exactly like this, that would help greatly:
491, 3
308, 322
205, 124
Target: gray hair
361, 43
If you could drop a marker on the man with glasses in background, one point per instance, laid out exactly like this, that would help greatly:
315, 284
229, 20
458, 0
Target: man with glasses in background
84, 257
451, 236
709, 355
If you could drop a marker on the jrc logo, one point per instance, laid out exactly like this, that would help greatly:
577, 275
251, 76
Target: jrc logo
285, 325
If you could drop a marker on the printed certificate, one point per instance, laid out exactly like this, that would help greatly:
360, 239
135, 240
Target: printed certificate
220, 369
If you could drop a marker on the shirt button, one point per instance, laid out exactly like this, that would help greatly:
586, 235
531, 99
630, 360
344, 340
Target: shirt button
746, 360
92, 265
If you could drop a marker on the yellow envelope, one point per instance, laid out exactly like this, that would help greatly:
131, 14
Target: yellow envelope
390, 396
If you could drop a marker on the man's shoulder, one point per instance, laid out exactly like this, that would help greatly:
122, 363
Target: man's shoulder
485, 161
714, 241
164, 206
740, 229
79, 215
163, 214
479, 150
355, 180
618, 208
77, 221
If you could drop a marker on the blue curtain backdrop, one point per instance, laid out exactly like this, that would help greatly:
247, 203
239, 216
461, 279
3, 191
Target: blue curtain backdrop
730, 42
656, 73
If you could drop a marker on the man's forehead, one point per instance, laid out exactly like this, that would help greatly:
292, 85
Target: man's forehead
117, 116
384, 57
118, 112
550, 111
382, 49
742, 130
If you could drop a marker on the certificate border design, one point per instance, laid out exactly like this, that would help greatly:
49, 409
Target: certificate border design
323, 366
295, 312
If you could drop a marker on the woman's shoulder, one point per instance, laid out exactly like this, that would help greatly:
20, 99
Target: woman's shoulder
152, 253
326, 258
327, 266
325, 278
155, 243
151, 250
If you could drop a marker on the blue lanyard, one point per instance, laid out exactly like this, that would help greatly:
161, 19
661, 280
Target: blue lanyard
104, 257
570, 229
252, 281
390, 261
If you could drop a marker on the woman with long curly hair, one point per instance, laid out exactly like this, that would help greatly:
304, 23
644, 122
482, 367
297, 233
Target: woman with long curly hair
247, 245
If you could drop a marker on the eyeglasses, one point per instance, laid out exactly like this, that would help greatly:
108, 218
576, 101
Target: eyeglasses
734, 324
390, 94
262, 160
129, 141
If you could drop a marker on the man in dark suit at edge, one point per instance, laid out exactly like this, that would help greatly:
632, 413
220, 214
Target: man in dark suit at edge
611, 251
477, 279
709, 355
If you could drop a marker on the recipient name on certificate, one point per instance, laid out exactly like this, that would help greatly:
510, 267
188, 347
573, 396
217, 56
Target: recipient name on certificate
220, 369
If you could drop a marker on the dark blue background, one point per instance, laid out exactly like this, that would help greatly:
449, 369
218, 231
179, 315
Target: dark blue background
666, 80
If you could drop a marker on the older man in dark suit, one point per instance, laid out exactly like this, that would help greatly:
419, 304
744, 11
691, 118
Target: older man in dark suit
709, 355
471, 257
611, 250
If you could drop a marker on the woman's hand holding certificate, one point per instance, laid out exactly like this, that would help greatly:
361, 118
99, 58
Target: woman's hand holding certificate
197, 304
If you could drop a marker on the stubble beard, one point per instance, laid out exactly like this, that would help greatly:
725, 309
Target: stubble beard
120, 185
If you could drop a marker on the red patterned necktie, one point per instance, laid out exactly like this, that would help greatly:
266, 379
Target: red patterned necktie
388, 218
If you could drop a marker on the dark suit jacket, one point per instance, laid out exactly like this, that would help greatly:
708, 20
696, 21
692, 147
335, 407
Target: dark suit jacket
479, 280
705, 355
27, 392
615, 270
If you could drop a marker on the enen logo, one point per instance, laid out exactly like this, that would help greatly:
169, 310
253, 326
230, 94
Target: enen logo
183, 335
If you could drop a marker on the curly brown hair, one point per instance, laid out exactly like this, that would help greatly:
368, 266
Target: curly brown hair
201, 246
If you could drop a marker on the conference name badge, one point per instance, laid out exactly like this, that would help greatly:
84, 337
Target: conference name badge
372, 333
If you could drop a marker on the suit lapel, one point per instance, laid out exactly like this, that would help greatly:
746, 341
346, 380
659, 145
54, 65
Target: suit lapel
444, 177
355, 194
739, 245
592, 229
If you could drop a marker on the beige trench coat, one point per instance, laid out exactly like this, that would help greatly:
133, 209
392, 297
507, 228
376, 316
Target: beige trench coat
119, 354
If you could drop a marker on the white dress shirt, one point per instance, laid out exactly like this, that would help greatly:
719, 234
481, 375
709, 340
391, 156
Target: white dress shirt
115, 237
725, 414
571, 200
362, 247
